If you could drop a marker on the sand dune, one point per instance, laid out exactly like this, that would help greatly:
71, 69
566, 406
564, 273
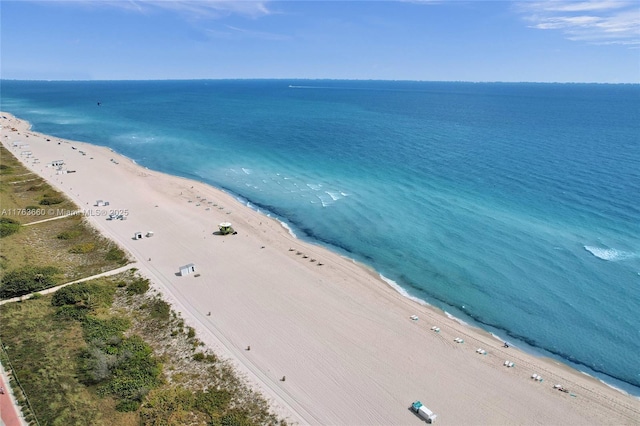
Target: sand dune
342, 337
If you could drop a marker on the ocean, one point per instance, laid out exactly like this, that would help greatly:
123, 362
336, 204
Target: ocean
514, 207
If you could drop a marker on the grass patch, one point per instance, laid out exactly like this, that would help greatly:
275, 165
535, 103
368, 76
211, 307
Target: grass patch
116, 254
159, 310
83, 248
92, 295
22, 191
138, 286
8, 226
70, 244
27, 280
51, 199
69, 234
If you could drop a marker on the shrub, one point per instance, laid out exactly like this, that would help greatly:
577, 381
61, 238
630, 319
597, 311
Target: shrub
134, 372
90, 295
69, 235
169, 406
27, 280
83, 248
70, 312
48, 200
115, 254
122, 367
191, 332
70, 295
139, 286
159, 309
236, 418
212, 401
95, 365
8, 226
104, 332
198, 356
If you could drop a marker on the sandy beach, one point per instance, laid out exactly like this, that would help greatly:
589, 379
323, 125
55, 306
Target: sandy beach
342, 337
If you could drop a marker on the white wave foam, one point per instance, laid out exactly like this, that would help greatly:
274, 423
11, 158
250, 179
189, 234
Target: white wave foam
325, 202
288, 228
458, 320
610, 254
247, 171
394, 285
315, 187
334, 195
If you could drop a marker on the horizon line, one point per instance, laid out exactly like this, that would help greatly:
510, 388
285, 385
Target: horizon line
316, 79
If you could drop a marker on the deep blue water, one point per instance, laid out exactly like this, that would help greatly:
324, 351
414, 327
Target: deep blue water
515, 207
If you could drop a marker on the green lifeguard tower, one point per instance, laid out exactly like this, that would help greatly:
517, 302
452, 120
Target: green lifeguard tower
225, 228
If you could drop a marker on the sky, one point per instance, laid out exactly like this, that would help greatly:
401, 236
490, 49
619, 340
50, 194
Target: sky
510, 41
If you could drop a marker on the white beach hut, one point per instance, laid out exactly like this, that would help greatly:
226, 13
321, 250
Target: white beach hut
137, 236
187, 269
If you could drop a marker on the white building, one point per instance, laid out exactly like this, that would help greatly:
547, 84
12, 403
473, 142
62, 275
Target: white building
187, 269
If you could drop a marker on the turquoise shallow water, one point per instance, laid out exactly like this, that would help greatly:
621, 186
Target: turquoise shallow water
515, 207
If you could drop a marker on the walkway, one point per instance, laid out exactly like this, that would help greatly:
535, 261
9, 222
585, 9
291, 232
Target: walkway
54, 289
10, 414
73, 213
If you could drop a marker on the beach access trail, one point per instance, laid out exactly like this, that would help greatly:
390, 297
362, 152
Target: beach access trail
340, 336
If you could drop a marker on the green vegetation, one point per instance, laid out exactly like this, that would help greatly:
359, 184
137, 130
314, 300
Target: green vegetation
159, 310
8, 226
191, 332
69, 234
48, 201
27, 280
115, 254
138, 286
83, 248
122, 366
91, 295
44, 348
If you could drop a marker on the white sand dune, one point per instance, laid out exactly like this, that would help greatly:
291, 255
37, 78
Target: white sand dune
342, 337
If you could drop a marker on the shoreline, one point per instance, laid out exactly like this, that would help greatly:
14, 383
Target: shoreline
367, 314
